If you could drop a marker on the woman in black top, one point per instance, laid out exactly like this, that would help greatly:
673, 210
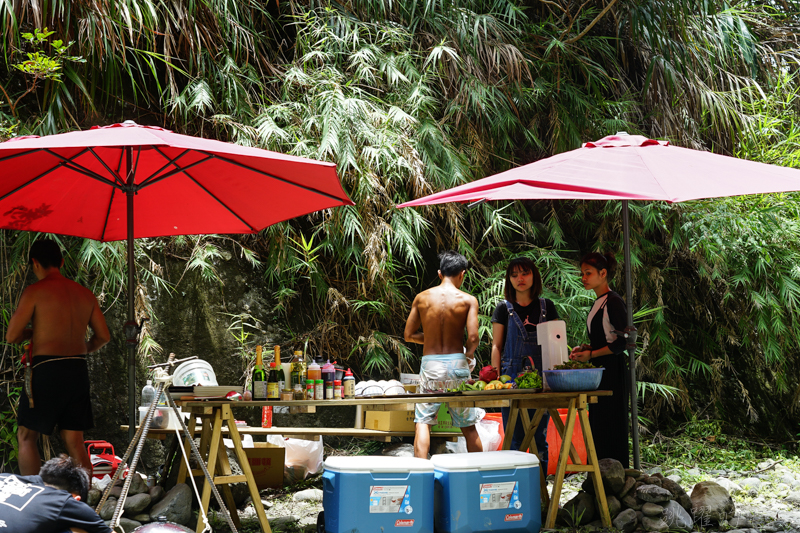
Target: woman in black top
609, 416
514, 339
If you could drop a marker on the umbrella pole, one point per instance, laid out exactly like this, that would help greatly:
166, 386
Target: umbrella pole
626, 233
130, 342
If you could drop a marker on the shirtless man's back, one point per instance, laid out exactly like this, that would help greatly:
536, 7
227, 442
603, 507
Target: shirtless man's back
444, 312
60, 311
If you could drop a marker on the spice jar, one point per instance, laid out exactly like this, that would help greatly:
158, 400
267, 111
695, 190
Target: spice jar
337, 389
298, 392
287, 395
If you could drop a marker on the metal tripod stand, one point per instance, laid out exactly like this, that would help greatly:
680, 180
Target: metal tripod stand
163, 376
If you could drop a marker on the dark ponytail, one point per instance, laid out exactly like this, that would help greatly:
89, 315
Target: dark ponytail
600, 261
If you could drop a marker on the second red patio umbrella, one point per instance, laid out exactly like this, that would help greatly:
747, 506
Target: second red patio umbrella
89, 184
625, 167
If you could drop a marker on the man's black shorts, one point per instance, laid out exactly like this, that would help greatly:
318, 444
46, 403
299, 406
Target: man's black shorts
60, 395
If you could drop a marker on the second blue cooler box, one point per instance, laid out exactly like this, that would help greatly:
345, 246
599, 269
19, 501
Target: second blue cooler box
373, 494
487, 491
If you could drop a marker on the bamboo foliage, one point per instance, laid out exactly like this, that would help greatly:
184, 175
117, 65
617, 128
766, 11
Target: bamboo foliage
413, 97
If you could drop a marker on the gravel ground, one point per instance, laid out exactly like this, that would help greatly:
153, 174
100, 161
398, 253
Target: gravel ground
767, 500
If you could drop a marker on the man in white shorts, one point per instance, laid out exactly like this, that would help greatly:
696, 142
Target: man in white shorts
444, 312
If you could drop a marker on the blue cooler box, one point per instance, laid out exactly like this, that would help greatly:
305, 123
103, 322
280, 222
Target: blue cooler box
374, 494
487, 491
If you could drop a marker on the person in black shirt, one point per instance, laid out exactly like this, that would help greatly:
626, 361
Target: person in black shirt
514, 341
50, 502
609, 416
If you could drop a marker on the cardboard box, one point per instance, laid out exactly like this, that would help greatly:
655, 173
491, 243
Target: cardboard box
266, 463
389, 420
444, 422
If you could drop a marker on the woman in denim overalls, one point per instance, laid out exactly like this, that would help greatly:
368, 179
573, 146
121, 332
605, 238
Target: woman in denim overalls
514, 341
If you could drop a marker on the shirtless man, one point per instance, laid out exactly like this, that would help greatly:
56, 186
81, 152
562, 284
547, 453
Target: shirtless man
60, 311
444, 312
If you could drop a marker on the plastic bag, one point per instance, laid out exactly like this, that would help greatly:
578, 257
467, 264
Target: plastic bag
303, 457
488, 431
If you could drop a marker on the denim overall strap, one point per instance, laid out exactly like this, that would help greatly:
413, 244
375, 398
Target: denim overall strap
519, 344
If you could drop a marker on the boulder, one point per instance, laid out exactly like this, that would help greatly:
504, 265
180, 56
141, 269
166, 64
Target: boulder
93, 498
127, 525
156, 494
672, 486
144, 518
685, 501
653, 493
136, 504
676, 517
176, 505
614, 506
632, 472
631, 502
579, 511
107, 510
629, 484
308, 495
654, 524
138, 484
626, 521
115, 492
613, 475
652, 510
711, 501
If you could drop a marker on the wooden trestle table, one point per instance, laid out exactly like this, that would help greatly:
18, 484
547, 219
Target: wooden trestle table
217, 419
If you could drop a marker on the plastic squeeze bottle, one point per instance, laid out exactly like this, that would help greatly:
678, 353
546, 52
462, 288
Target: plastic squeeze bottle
313, 372
349, 385
328, 373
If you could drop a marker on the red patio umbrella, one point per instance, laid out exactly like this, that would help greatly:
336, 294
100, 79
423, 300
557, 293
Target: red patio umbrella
626, 167
89, 183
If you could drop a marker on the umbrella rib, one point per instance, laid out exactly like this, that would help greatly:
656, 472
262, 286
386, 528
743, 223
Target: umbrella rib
169, 162
108, 214
69, 163
102, 162
43, 174
220, 202
151, 180
267, 174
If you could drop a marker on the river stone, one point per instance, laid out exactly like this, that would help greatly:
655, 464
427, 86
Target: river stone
710, 500
126, 524
282, 522
136, 503
652, 480
685, 501
694, 472
629, 484
674, 478
631, 502
654, 470
614, 506
588, 484
652, 493
633, 472
652, 509
156, 494
626, 521
654, 524
731, 486
138, 484
93, 498
672, 486
107, 510
399, 450
793, 497
613, 475
751, 483
115, 492
308, 495
739, 522
580, 510
144, 518
788, 479
676, 517
176, 505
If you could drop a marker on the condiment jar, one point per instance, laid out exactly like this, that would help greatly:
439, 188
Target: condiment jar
298, 392
287, 395
337, 389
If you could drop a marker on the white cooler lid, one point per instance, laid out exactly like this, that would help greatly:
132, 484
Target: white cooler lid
377, 463
500, 460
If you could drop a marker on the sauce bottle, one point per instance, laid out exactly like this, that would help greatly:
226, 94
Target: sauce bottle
328, 372
273, 389
314, 372
349, 385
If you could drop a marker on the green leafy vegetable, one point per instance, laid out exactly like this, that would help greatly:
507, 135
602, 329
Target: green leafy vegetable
529, 380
